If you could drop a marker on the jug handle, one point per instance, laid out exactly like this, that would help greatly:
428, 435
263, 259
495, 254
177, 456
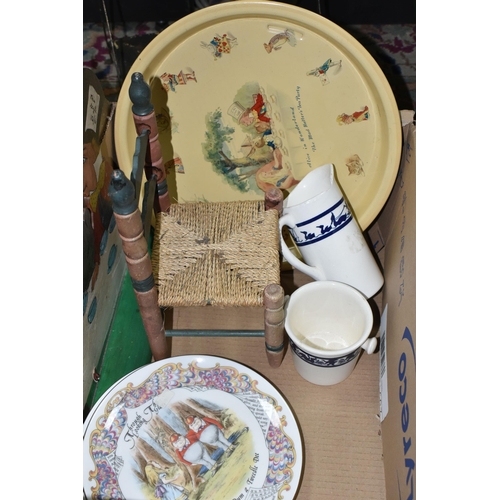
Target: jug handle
313, 272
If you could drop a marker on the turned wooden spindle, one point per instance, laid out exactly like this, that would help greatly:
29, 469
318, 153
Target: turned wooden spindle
274, 199
145, 119
274, 324
274, 316
129, 225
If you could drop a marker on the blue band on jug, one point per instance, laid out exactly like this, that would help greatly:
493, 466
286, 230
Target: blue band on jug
322, 362
334, 219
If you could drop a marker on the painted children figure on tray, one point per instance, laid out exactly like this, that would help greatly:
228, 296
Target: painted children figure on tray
256, 115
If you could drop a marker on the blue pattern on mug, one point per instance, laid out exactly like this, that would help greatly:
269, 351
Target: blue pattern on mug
322, 362
323, 225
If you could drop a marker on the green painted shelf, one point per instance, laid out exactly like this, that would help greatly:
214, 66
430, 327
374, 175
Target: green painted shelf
126, 347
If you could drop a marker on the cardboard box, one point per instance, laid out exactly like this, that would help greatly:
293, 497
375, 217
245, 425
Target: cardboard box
349, 452
103, 258
395, 233
352, 450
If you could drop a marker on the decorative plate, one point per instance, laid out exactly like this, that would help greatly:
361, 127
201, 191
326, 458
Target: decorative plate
97, 406
192, 427
249, 95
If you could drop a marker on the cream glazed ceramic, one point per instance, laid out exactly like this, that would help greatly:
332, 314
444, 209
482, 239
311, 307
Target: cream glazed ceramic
198, 427
256, 94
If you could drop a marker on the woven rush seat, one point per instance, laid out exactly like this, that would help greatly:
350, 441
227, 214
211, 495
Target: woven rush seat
219, 254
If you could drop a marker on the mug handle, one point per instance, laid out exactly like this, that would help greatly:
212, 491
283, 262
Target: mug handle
370, 345
313, 272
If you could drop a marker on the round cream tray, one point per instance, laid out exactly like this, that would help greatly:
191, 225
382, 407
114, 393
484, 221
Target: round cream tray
250, 95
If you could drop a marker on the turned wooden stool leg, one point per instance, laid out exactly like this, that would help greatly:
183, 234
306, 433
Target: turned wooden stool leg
274, 324
144, 118
274, 199
135, 247
274, 315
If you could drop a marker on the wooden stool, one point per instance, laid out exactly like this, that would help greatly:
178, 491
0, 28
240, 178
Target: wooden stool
204, 254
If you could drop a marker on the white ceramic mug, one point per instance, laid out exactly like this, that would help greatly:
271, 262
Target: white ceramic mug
328, 324
327, 235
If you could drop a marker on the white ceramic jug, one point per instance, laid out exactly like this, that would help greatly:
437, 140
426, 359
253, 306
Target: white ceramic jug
327, 235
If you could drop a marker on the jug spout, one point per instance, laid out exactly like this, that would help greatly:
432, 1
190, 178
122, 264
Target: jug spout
313, 184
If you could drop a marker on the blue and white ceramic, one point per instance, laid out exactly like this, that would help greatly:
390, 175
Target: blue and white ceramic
327, 234
328, 323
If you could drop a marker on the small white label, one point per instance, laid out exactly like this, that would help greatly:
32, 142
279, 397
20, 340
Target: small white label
92, 109
384, 402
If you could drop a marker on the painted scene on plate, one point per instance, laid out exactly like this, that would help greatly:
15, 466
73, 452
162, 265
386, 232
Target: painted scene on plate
191, 434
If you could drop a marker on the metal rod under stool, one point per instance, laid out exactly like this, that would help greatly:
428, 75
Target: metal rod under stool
214, 333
